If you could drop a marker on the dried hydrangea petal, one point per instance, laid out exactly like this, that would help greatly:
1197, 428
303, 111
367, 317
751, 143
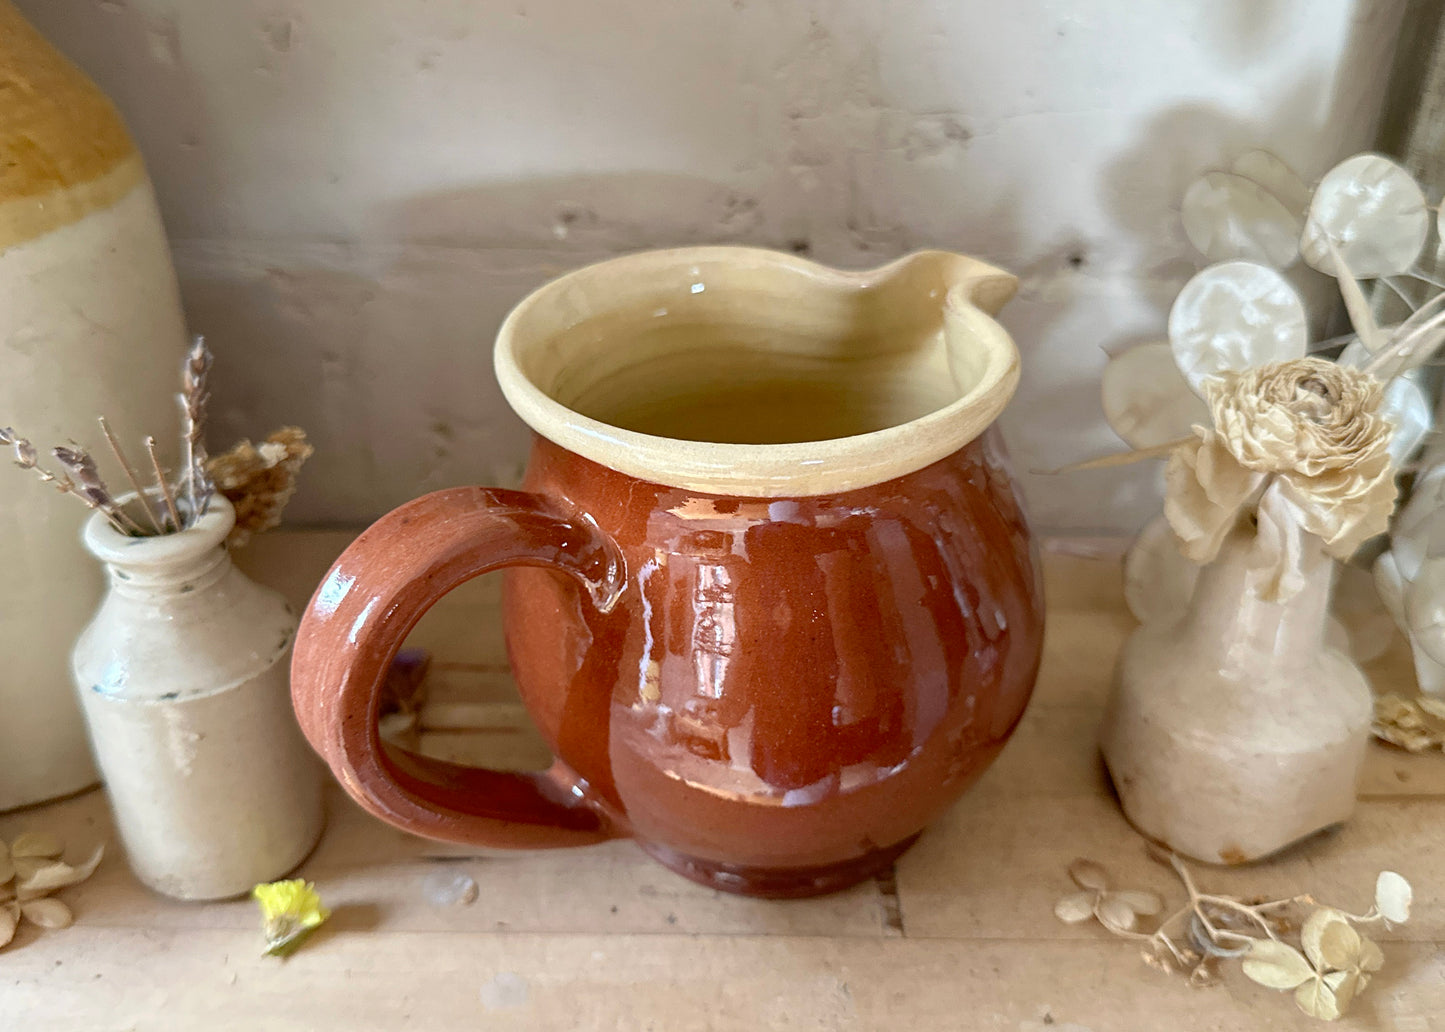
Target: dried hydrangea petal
1145, 399
1088, 874
47, 913
1114, 914
1375, 213
26, 866
1075, 908
1235, 316
1339, 945
1145, 903
57, 875
1227, 216
37, 843
1393, 897
1312, 932
1275, 965
1317, 1000
9, 921
7, 870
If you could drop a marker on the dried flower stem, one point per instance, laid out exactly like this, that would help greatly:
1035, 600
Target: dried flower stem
130, 475
193, 403
161, 483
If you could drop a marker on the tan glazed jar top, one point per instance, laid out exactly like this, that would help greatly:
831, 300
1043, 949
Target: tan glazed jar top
64, 147
737, 324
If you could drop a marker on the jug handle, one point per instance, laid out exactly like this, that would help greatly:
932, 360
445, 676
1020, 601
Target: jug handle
360, 616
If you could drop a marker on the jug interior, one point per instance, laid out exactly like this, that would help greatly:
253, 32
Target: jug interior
723, 357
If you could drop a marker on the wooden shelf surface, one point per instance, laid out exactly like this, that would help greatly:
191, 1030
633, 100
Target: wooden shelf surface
962, 937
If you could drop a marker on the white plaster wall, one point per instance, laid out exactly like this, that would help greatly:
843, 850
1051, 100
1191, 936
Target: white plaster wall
358, 190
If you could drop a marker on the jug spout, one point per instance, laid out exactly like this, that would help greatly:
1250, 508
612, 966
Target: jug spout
754, 373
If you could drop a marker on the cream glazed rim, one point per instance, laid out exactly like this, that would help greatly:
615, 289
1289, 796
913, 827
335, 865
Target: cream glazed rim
159, 550
974, 340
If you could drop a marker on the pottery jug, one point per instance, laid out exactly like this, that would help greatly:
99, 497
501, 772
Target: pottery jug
182, 675
90, 324
1236, 729
770, 598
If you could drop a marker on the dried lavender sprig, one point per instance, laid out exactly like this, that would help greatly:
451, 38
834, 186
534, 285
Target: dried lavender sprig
165, 488
26, 457
130, 475
81, 467
194, 398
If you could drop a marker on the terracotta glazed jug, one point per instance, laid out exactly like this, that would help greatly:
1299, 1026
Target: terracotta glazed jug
770, 595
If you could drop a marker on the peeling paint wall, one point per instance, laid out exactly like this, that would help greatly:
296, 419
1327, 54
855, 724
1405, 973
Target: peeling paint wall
358, 190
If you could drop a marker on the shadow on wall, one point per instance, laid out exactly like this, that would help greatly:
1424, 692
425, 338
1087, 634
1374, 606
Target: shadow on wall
383, 353
1142, 189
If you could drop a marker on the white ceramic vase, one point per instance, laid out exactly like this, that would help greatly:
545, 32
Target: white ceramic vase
90, 324
1236, 730
183, 675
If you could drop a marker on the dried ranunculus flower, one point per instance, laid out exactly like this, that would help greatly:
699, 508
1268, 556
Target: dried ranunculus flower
1306, 438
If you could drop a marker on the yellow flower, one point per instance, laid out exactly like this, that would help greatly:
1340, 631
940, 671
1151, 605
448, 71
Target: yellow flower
290, 911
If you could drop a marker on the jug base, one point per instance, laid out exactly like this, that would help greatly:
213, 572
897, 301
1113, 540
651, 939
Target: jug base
779, 882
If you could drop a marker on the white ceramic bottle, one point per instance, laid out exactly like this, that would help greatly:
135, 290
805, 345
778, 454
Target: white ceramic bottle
1236, 730
90, 324
183, 675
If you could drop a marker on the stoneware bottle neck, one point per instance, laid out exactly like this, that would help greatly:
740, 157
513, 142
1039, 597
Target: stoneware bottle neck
1228, 611
169, 565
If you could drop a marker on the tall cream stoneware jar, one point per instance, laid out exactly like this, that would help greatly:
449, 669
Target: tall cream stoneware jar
90, 324
184, 678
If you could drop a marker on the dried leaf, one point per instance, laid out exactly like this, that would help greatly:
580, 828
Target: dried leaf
1114, 914
37, 843
47, 913
1374, 211
9, 920
1235, 316
1227, 216
1276, 965
1317, 1000
1393, 897
1089, 875
1339, 945
1146, 903
1075, 908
